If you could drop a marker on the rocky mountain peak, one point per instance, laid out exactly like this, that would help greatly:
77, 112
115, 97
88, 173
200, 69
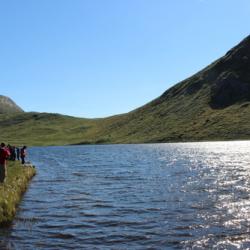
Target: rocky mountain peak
8, 106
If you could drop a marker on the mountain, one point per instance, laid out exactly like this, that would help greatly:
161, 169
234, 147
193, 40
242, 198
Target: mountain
213, 104
8, 106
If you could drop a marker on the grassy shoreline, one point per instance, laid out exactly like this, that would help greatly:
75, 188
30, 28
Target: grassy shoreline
12, 190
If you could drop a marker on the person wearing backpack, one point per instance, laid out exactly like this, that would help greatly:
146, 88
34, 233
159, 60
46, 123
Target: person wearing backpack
4, 154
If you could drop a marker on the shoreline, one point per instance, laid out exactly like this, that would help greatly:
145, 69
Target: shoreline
12, 191
142, 143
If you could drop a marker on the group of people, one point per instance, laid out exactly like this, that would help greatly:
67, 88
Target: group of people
10, 153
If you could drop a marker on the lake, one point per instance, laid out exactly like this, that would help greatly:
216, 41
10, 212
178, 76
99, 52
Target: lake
152, 196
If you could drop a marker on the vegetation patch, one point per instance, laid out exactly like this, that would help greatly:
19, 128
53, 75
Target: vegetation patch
12, 190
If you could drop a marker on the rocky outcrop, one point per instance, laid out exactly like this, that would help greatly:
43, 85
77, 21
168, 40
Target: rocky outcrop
8, 106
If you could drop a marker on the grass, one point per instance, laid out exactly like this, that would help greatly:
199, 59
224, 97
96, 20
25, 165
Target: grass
12, 190
179, 118
167, 121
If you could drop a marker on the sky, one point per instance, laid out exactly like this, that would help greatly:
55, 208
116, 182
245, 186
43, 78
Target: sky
96, 58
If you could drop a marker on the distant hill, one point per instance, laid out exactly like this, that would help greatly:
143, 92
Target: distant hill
8, 106
213, 104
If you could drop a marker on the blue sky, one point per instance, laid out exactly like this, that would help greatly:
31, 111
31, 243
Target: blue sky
95, 58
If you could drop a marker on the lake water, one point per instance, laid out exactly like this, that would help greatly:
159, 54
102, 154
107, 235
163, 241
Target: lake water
157, 196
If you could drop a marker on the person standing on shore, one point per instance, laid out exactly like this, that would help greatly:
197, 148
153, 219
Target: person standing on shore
18, 153
4, 154
13, 153
23, 154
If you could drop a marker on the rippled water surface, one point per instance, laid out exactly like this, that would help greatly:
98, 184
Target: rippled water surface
159, 196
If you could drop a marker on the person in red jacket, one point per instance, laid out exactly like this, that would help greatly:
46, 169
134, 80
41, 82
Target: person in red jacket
4, 154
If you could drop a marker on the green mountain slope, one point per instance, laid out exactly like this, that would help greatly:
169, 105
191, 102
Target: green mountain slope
42, 128
214, 104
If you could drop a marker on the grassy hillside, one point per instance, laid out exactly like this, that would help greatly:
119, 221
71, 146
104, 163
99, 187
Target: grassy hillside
43, 128
214, 104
